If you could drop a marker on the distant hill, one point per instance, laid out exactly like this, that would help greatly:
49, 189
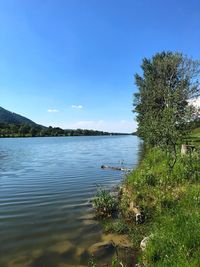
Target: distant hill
15, 125
13, 118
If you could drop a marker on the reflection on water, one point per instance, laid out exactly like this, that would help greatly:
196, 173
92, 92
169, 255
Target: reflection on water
45, 189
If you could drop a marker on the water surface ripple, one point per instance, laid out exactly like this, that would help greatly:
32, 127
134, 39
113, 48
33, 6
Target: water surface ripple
45, 189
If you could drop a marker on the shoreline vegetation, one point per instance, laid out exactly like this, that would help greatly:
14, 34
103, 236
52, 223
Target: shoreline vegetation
155, 213
158, 204
25, 130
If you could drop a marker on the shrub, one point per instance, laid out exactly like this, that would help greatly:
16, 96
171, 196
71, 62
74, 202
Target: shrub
105, 204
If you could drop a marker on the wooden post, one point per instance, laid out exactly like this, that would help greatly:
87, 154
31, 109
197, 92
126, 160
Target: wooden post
184, 149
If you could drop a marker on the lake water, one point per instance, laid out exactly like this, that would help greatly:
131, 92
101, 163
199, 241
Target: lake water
46, 185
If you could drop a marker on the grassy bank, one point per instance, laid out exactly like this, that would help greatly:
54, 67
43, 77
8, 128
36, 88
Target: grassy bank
163, 205
170, 203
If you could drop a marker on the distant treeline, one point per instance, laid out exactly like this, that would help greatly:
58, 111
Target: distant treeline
25, 130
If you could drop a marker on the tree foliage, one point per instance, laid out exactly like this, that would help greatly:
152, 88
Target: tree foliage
26, 130
168, 82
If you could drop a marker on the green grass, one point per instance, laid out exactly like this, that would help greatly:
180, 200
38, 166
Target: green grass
196, 132
171, 204
194, 137
176, 233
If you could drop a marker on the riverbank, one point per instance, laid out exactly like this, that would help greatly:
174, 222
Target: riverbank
159, 209
170, 205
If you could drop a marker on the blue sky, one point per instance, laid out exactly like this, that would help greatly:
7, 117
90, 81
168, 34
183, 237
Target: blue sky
71, 63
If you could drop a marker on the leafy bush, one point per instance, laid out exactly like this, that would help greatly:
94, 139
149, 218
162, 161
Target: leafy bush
105, 204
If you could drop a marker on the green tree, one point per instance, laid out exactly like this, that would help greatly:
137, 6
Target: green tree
24, 129
168, 82
33, 131
14, 129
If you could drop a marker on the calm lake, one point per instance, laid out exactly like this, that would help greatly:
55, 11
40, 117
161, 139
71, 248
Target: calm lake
46, 185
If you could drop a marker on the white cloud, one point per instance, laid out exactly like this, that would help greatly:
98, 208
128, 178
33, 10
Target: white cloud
77, 106
52, 110
195, 102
